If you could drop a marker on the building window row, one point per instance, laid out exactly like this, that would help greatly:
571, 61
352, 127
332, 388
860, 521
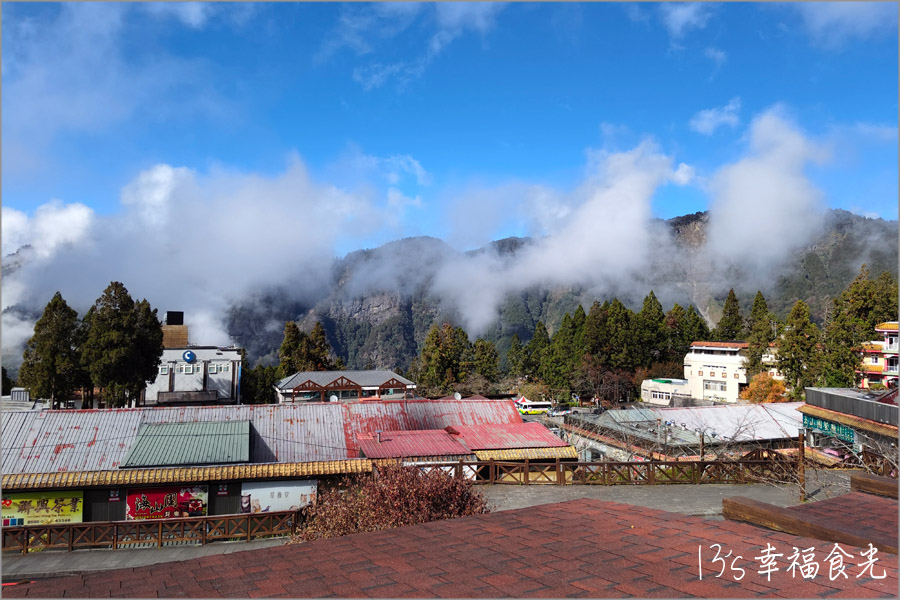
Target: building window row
714, 386
661, 395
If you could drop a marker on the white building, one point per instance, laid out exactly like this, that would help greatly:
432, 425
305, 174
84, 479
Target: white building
196, 375
715, 370
662, 391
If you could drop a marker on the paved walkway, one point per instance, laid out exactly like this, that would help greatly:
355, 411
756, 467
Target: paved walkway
581, 548
696, 500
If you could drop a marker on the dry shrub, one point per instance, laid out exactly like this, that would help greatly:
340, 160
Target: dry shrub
397, 496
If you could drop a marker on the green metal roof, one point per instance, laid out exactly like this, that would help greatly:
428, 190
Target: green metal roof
171, 444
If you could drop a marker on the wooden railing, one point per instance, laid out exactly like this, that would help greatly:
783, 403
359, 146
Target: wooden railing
157, 532
620, 473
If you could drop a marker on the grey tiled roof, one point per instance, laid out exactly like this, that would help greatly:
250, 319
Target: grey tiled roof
362, 378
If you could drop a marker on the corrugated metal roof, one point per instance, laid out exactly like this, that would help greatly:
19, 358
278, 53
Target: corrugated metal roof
888, 326
397, 444
506, 436
30, 481
171, 444
737, 422
95, 440
849, 420
323, 378
529, 453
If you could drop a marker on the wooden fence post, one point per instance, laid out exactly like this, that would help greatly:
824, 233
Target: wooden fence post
248, 527
801, 468
492, 474
525, 475
560, 476
159, 535
25, 541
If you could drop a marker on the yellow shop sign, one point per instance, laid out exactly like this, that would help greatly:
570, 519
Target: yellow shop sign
42, 508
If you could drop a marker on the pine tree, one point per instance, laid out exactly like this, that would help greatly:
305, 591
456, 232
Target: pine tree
534, 350
885, 308
760, 334
676, 343
649, 332
731, 325
487, 360
621, 343
123, 345
695, 328
514, 357
50, 365
446, 360
555, 368
797, 350
287, 353
596, 332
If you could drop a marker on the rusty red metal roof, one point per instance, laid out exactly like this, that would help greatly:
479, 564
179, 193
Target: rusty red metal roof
51, 441
506, 437
399, 444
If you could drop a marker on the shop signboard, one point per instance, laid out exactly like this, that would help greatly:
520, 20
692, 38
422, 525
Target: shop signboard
166, 502
42, 508
836, 430
273, 496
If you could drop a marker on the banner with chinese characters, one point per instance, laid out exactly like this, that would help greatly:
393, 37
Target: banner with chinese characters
276, 496
837, 430
166, 503
42, 508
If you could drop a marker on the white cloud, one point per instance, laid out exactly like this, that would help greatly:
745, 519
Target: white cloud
192, 14
681, 17
880, 132
363, 28
54, 226
707, 121
763, 206
190, 241
717, 56
597, 233
832, 24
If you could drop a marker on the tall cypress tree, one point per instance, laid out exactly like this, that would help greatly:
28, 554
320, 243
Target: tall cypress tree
51, 363
731, 325
622, 345
797, 350
760, 334
514, 356
534, 350
695, 328
596, 332
676, 343
123, 345
487, 360
649, 331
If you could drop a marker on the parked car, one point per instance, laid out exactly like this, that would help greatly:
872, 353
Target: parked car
559, 411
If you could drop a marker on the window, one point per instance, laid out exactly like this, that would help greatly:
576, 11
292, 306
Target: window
874, 360
661, 395
188, 369
735, 375
163, 369
700, 373
714, 386
212, 368
725, 375
223, 368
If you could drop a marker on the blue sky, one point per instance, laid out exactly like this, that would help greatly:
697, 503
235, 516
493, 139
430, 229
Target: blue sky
476, 94
316, 129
